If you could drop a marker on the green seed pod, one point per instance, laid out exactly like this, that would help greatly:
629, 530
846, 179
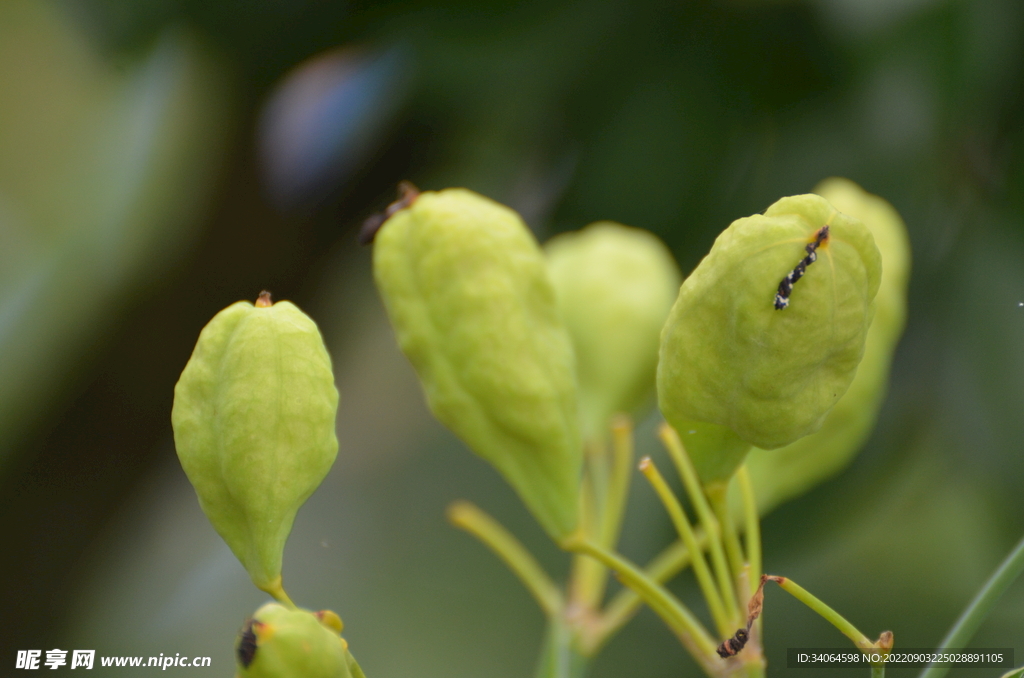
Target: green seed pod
615, 286
468, 294
281, 642
253, 420
761, 340
789, 471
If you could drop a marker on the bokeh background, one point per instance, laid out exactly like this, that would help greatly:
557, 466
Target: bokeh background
161, 159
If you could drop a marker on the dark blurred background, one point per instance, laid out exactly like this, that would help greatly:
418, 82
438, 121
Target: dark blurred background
161, 159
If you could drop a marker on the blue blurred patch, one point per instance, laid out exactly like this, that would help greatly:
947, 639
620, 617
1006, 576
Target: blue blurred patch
323, 120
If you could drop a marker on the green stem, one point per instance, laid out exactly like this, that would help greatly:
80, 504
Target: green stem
717, 495
609, 487
837, 620
588, 576
472, 519
752, 525
276, 589
618, 485
676, 615
712, 526
972, 617
559, 657
708, 587
667, 564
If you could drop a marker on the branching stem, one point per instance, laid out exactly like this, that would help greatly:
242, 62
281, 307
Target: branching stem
472, 519
712, 525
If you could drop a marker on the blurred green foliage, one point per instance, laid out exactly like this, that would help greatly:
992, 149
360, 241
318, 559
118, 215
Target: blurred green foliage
102, 173
674, 117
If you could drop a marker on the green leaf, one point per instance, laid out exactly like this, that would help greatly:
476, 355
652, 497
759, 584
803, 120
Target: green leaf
105, 171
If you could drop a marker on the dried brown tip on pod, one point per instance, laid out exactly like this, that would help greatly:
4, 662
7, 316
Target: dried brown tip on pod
731, 646
330, 619
264, 300
756, 603
407, 194
247, 644
885, 641
370, 228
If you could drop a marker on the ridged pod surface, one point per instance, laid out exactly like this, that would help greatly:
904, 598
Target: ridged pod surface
253, 420
615, 286
786, 472
467, 290
733, 362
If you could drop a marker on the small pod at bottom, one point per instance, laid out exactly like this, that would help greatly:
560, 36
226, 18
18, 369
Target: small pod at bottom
279, 642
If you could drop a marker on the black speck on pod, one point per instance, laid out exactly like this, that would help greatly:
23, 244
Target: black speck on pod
246, 649
786, 286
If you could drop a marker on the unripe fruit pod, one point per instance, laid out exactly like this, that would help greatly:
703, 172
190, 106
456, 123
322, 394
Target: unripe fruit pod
253, 420
784, 473
467, 290
615, 286
731, 359
281, 642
